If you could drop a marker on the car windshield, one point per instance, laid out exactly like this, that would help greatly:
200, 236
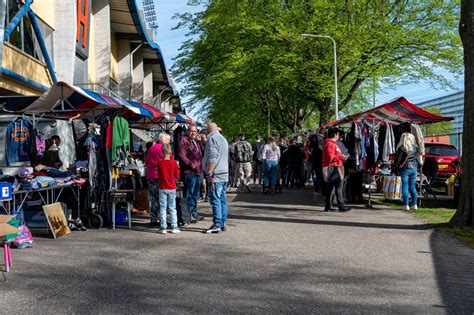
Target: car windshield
442, 150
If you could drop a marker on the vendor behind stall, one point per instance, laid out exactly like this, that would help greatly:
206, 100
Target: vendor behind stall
51, 155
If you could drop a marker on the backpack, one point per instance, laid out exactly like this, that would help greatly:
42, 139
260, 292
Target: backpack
243, 152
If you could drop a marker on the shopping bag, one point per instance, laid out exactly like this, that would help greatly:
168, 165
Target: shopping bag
392, 187
386, 186
396, 188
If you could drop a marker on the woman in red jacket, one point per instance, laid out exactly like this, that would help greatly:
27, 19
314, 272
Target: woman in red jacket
332, 156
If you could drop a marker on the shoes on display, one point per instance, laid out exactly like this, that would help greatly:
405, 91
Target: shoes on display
213, 229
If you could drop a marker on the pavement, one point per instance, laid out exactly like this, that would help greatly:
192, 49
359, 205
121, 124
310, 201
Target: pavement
281, 254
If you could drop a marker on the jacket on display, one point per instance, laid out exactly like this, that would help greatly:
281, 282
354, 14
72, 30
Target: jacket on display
18, 141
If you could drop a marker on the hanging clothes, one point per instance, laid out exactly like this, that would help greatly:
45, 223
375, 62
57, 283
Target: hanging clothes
92, 145
38, 147
120, 138
363, 146
389, 143
18, 141
420, 140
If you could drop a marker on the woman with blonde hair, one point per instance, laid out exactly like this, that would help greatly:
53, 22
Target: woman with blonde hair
407, 164
270, 157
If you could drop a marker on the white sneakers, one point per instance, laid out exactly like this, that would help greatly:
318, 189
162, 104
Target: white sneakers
174, 231
407, 208
415, 207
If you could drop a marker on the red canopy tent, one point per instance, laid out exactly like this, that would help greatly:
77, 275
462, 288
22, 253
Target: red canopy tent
397, 111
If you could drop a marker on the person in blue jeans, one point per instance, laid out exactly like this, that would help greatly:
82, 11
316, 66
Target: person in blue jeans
216, 165
168, 172
406, 163
270, 156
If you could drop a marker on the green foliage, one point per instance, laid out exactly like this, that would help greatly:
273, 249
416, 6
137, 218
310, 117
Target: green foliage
438, 128
245, 58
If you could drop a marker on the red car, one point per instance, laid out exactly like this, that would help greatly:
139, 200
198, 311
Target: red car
441, 160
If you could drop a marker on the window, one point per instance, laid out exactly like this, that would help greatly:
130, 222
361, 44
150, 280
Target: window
441, 150
23, 36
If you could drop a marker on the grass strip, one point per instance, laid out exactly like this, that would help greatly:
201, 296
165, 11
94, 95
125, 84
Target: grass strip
438, 218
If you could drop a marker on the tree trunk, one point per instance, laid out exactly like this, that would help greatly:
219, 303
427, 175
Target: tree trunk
464, 215
325, 113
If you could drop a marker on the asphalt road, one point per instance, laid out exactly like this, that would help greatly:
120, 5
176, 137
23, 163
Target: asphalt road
281, 254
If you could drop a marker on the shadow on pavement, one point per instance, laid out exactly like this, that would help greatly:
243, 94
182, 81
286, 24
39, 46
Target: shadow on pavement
454, 266
335, 223
209, 282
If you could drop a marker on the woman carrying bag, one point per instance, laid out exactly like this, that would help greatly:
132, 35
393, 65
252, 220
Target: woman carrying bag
406, 165
333, 170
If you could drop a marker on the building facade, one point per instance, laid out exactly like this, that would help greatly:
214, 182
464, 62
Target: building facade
108, 46
450, 105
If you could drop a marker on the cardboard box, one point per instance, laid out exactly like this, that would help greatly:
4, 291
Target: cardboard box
141, 202
5, 228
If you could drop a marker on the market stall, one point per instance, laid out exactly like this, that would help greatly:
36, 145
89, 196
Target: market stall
372, 137
102, 135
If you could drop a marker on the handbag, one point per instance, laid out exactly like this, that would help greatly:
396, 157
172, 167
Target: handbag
332, 174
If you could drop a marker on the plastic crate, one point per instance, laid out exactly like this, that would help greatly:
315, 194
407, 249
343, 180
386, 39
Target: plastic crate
120, 217
5, 191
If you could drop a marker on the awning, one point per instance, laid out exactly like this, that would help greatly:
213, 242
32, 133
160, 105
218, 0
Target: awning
398, 111
181, 118
63, 101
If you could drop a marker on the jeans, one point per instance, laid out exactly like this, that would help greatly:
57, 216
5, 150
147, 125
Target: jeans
270, 171
218, 200
168, 200
154, 198
409, 183
339, 196
257, 172
193, 190
245, 172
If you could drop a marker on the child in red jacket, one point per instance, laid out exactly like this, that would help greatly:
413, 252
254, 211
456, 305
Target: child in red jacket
168, 172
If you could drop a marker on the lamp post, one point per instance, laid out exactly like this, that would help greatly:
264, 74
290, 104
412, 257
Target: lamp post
336, 100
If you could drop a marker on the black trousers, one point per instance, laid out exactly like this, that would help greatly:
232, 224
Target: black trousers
339, 195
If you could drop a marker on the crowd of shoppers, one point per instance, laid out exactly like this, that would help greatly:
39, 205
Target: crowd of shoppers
208, 166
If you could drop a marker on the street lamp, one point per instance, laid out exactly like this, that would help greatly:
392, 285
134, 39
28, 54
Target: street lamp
335, 68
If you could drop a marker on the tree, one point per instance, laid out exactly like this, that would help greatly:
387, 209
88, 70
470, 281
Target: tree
444, 127
249, 56
464, 214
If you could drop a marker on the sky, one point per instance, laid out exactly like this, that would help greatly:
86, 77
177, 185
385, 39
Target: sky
170, 41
